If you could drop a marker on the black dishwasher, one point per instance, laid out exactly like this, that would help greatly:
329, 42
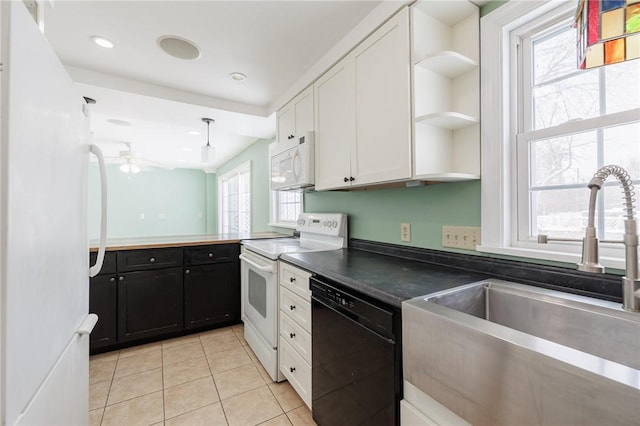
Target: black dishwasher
356, 355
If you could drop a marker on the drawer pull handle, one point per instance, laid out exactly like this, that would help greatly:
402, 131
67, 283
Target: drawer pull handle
121, 278
292, 335
210, 255
292, 369
292, 307
152, 260
292, 279
188, 271
112, 280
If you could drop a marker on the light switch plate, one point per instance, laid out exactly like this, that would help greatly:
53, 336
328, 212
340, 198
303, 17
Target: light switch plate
461, 237
405, 232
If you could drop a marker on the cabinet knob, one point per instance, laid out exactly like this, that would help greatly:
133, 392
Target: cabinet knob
187, 271
346, 179
112, 279
292, 279
292, 335
210, 255
352, 178
292, 369
152, 260
121, 278
292, 307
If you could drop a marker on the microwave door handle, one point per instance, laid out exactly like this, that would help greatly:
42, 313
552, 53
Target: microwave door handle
296, 155
255, 265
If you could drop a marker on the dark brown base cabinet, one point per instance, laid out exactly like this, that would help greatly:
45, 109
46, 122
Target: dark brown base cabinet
103, 301
211, 294
149, 303
211, 285
146, 294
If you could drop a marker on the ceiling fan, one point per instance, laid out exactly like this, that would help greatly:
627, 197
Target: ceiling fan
131, 161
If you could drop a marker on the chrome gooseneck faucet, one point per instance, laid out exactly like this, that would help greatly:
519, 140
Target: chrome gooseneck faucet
590, 263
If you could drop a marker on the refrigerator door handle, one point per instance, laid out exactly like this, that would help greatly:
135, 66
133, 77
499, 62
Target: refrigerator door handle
87, 325
95, 269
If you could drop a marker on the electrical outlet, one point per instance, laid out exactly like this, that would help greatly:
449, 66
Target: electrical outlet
461, 237
405, 232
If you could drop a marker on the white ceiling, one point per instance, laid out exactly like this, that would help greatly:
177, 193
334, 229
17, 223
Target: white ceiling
275, 43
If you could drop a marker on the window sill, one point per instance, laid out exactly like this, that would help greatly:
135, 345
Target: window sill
555, 256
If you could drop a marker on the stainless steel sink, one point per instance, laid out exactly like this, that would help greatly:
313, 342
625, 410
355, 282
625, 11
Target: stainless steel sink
496, 352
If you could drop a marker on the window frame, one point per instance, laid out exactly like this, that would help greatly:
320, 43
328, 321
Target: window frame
501, 178
235, 172
275, 204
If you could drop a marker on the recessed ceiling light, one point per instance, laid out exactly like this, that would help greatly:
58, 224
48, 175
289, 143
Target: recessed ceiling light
179, 47
193, 132
102, 42
117, 122
238, 76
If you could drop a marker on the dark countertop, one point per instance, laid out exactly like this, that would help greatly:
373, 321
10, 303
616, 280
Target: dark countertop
387, 278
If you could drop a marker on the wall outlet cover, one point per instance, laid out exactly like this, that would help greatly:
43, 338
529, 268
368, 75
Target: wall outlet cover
405, 232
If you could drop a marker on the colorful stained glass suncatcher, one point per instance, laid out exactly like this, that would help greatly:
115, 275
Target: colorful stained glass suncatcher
608, 32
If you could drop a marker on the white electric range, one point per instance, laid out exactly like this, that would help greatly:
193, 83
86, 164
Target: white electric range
259, 279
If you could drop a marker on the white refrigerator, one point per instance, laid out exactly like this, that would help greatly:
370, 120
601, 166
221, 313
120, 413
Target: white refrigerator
44, 255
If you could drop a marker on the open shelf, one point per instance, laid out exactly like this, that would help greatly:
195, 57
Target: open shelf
447, 120
447, 63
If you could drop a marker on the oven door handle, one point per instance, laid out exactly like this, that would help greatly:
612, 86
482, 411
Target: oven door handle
255, 265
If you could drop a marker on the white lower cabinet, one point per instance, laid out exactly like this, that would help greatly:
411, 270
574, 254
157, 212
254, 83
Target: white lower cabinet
296, 370
294, 346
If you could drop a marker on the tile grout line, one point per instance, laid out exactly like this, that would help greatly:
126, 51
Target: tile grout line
224, 413
164, 409
104, 409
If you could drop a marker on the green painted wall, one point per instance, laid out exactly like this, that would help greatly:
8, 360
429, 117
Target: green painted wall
173, 202
376, 214
492, 5
257, 154
211, 189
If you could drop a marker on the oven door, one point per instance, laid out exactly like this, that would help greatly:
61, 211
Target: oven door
259, 277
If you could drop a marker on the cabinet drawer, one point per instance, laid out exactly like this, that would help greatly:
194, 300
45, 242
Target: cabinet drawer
109, 264
296, 370
295, 279
296, 307
296, 336
215, 253
140, 260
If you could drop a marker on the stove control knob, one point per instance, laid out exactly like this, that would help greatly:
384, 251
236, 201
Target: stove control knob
334, 223
324, 223
300, 221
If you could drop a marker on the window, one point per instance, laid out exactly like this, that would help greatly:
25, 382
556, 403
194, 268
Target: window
557, 125
286, 206
234, 200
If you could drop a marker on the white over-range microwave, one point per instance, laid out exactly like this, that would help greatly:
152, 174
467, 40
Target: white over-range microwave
292, 164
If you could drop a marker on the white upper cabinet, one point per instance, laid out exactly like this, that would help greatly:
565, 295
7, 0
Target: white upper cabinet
296, 117
383, 104
446, 90
363, 112
335, 117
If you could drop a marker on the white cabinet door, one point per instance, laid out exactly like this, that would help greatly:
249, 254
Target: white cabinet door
296, 117
286, 123
383, 109
334, 95
303, 106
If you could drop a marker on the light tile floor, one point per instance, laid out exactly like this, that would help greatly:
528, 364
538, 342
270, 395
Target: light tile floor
210, 378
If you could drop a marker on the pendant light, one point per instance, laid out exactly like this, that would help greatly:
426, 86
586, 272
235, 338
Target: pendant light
206, 154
